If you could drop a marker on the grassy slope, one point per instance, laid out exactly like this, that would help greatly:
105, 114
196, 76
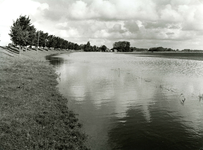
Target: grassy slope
33, 114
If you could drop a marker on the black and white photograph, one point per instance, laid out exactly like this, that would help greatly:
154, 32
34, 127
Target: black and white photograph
101, 75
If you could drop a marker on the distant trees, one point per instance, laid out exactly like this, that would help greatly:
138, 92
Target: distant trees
138, 49
103, 48
122, 46
160, 49
88, 48
95, 48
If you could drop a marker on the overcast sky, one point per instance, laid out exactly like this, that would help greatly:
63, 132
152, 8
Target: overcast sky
144, 23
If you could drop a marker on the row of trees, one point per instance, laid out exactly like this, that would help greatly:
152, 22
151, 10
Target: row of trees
124, 46
23, 33
160, 49
88, 48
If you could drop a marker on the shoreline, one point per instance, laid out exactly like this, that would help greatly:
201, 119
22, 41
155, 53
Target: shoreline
171, 55
34, 115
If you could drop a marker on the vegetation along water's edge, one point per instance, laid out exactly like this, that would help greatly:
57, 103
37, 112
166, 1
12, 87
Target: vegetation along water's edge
34, 115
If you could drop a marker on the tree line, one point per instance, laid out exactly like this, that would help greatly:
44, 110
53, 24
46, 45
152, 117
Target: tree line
23, 33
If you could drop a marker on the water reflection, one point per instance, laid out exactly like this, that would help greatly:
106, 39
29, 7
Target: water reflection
163, 132
129, 102
56, 61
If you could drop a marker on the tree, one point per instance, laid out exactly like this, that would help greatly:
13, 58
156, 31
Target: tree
94, 48
122, 46
20, 31
32, 35
127, 46
37, 39
59, 42
82, 46
42, 38
103, 48
76, 46
65, 44
87, 47
51, 41
70, 45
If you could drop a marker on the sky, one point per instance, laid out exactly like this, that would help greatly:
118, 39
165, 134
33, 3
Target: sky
176, 24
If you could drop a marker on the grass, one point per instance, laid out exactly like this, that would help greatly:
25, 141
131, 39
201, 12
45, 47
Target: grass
34, 115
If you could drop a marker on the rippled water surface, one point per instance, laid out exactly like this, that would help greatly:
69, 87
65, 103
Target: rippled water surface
132, 102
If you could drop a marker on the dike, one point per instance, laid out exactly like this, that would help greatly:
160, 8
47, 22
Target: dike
34, 115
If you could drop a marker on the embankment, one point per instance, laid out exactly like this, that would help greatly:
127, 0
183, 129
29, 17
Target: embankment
33, 114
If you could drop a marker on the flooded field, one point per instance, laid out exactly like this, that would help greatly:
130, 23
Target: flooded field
133, 101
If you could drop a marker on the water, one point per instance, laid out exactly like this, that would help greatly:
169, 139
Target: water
132, 102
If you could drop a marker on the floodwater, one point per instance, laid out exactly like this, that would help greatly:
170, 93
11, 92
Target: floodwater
134, 102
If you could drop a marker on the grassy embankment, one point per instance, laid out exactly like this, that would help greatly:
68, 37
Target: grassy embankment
33, 114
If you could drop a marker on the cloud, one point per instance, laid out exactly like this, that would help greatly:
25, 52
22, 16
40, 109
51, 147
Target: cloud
79, 10
117, 28
132, 26
180, 2
170, 14
10, 10
192, 17
97, 21
104, 10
